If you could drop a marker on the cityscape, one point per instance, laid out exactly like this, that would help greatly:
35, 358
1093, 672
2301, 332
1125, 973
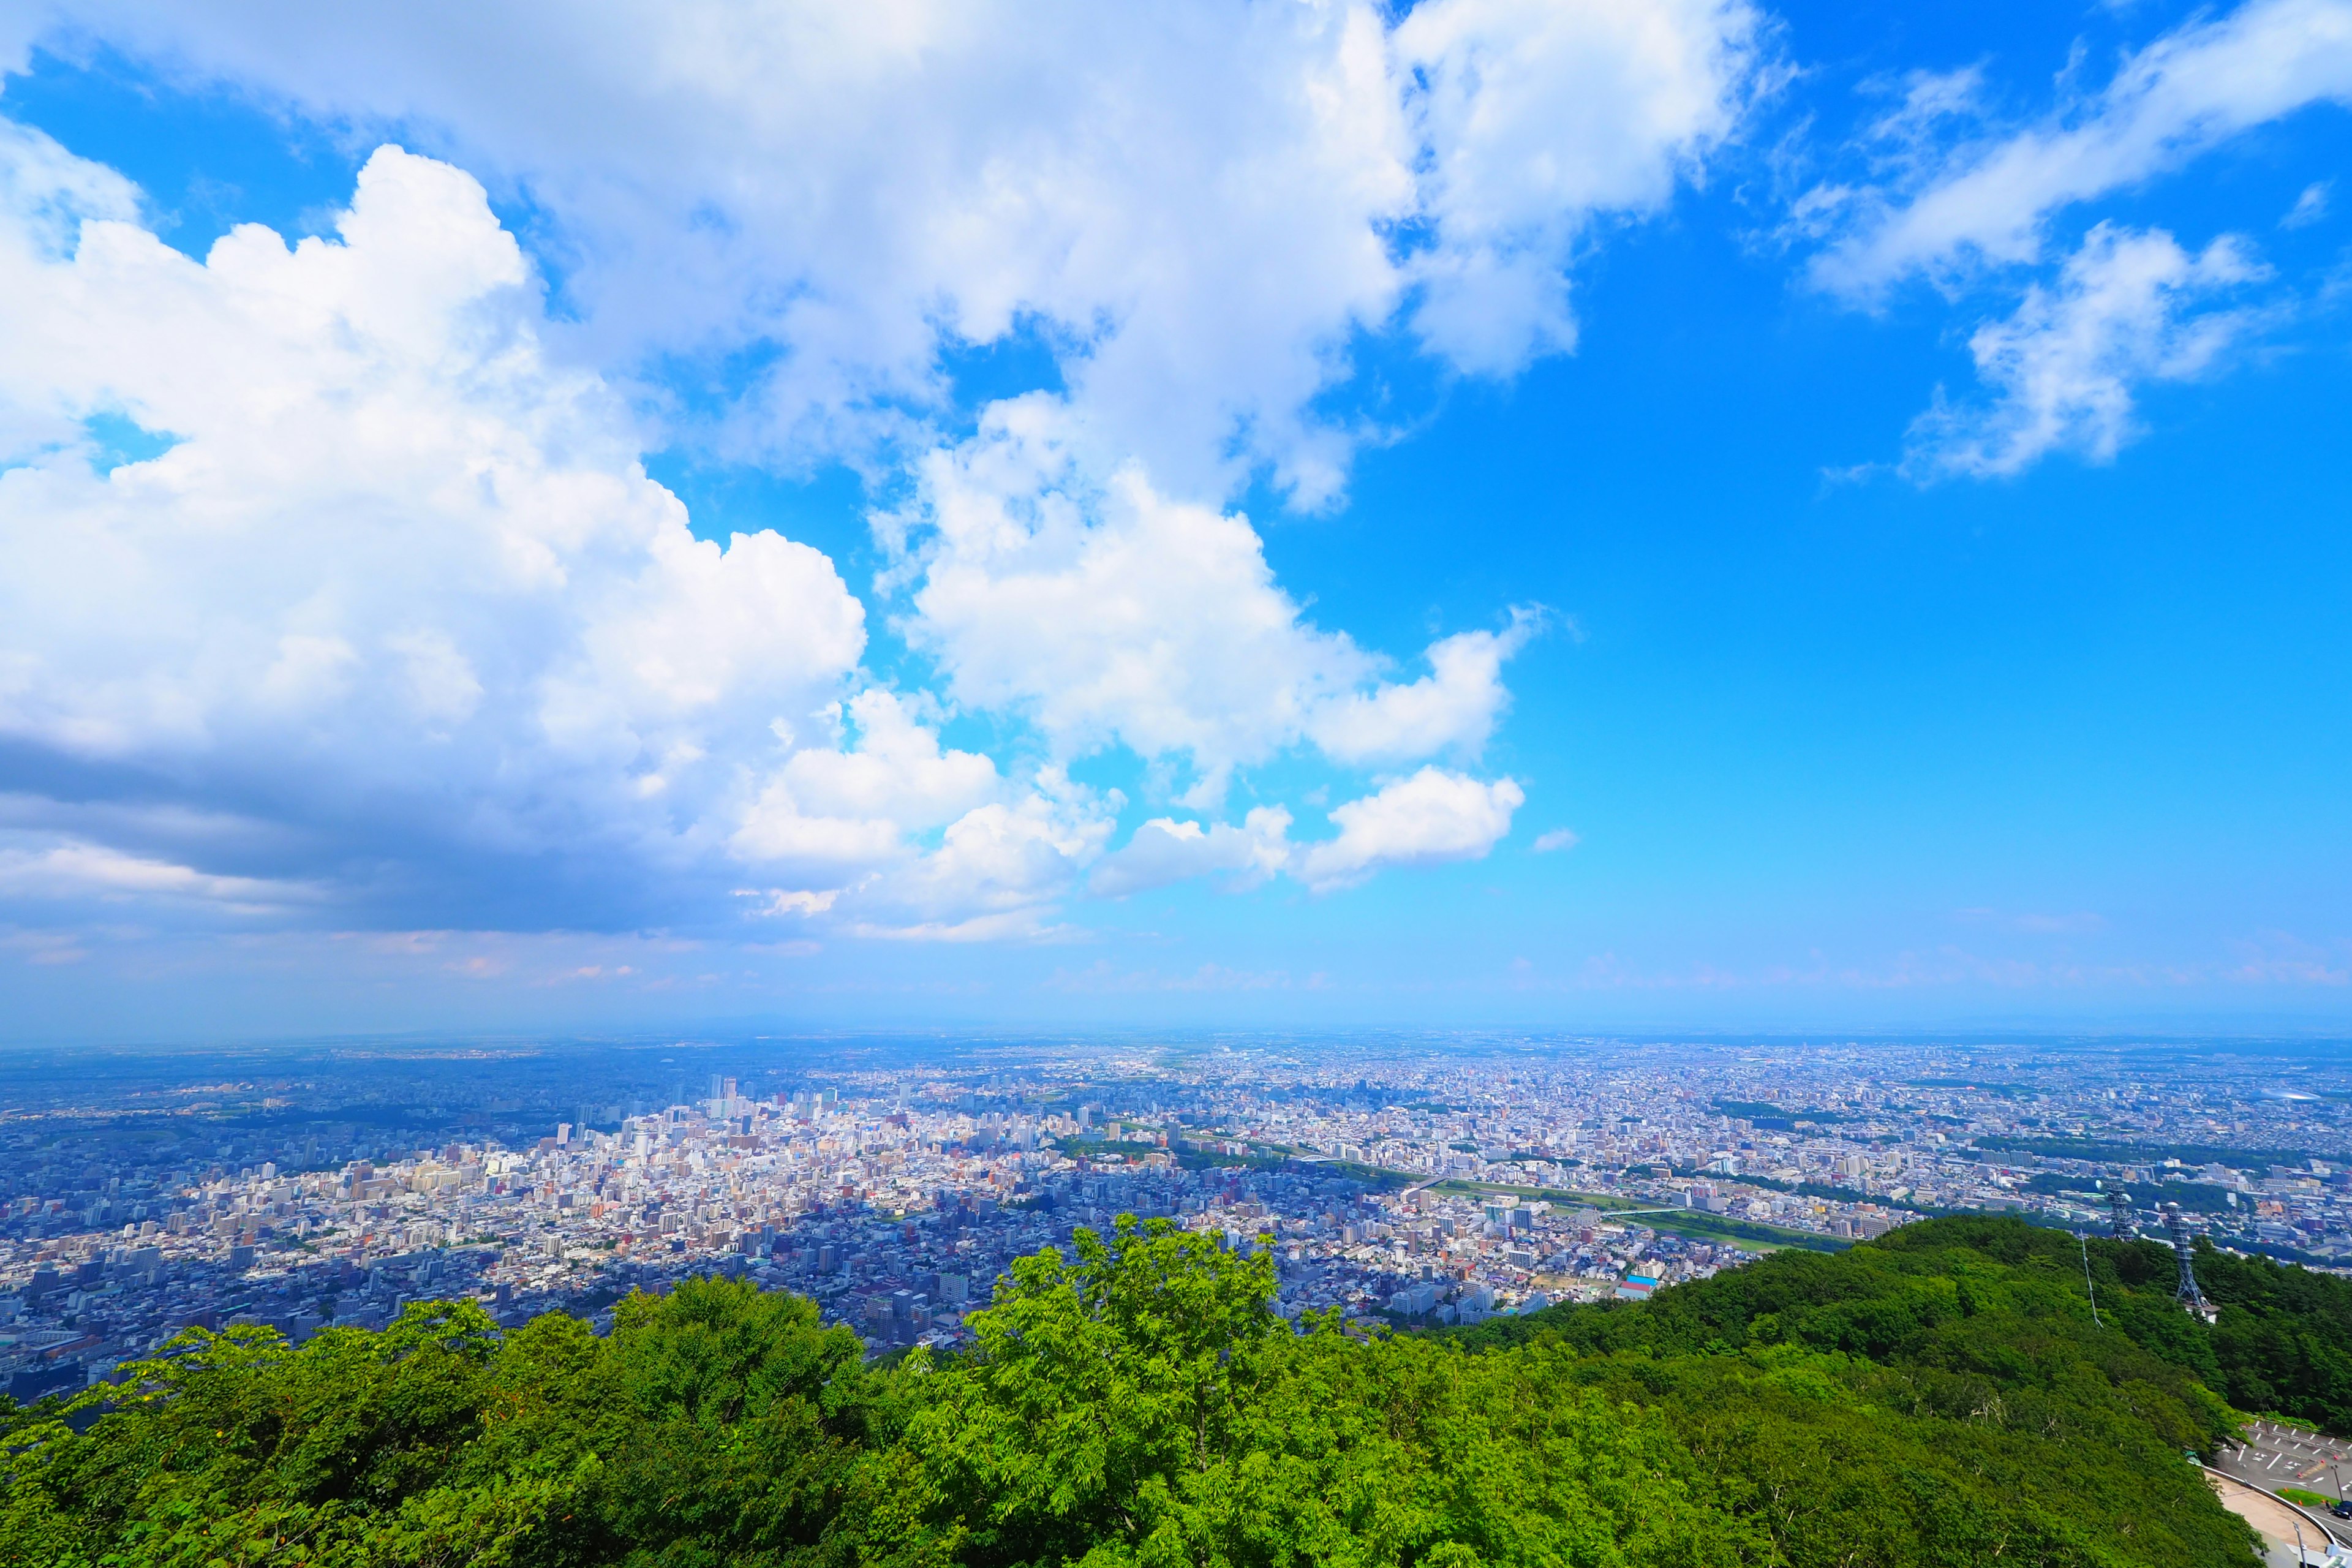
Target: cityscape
1405, 1181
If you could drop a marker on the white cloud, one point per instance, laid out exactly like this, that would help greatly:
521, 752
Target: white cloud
847, 822
1430, 816
398, 600
2310, 207
385, 506
1110, 613
841, 810
897, 768
1006, 861
790, 901
1198, 205
401, 591
2126, 310
1453, 708
1989, 199
1164, 850
1535, 117
1433, 816
52, 867
1559, 838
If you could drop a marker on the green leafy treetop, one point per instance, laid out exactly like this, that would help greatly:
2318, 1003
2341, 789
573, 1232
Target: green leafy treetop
1939, 1399
1143, 1403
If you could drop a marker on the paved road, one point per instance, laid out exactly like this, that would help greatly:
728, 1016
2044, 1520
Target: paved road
2277, 1523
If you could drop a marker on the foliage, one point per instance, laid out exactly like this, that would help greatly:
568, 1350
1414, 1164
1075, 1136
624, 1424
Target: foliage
1939, 1397
2283, 1341
1078, 1148
1677, 1221
1942, 1396
717, 1424
1143, 1406
1757, 1110
2149, 1154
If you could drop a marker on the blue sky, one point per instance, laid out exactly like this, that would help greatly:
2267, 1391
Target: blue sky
1577, 517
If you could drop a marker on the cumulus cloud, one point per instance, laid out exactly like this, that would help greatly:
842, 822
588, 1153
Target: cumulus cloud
1557, 839
1164, 850
1433, 816
388, 536
331, 568
996, 869
1194, 208
839, 808
53, 868
1531, 118
2128, 306
1989, 198
1453, 708
1111, 613
398, 588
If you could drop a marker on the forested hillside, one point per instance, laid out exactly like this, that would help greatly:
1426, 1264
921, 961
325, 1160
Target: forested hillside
1939, 1397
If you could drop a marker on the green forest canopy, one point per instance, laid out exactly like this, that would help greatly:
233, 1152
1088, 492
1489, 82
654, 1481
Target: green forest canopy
1941, 1396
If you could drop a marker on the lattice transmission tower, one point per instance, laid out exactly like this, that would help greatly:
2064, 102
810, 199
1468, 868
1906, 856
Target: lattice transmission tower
2186, 1292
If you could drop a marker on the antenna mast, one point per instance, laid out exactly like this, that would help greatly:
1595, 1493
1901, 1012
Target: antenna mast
2186, 1292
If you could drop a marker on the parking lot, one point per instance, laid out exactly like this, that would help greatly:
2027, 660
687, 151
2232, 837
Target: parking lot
2277, 1458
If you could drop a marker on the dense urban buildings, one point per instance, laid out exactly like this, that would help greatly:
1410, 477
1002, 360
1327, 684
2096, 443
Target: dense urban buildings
1411, 1181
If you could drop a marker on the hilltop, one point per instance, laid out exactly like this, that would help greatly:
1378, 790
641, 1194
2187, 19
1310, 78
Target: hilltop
1941, 1395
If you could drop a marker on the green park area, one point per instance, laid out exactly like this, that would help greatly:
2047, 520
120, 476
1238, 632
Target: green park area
1697, 1224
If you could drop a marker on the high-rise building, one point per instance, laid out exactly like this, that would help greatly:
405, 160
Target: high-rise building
722, 1103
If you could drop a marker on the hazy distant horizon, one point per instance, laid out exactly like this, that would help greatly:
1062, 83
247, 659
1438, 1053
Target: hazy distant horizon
2318, 1035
